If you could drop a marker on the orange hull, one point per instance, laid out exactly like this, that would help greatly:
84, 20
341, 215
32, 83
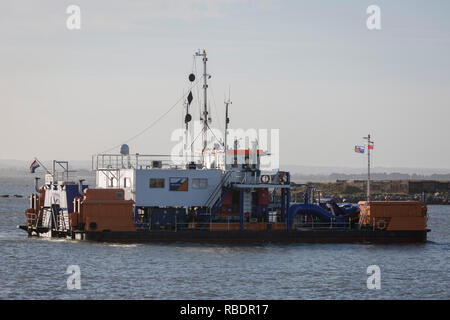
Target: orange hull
394, 215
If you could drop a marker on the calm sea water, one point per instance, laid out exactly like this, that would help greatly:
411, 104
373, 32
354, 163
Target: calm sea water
33, 268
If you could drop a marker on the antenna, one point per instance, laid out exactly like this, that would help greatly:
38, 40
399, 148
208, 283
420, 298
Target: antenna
227, 121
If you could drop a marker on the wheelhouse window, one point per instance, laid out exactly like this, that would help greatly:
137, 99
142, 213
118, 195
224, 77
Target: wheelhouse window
199, 183
156, 183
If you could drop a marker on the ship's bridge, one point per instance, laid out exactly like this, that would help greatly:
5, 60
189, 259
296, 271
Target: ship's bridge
155, 181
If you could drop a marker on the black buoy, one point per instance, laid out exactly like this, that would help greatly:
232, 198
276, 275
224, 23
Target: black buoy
192, 77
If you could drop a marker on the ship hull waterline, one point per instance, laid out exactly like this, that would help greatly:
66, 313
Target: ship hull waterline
244, 237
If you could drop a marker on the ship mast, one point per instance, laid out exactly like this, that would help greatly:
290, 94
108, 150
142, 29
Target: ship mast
205, 103
186, 131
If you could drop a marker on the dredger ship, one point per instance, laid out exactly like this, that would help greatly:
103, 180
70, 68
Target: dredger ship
223, 196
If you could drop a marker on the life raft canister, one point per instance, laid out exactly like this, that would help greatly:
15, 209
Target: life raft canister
265, 178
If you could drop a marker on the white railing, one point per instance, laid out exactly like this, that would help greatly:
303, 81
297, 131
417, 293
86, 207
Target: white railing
250, 177
134, 161
32, 219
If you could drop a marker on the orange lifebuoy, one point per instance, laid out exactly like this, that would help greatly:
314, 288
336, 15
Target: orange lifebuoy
265, 178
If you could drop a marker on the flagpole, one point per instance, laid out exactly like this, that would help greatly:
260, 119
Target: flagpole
368, 168
42, 165
369, 144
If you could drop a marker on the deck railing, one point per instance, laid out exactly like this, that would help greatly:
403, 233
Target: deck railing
314, 225
32, 219
137, 161
235, 226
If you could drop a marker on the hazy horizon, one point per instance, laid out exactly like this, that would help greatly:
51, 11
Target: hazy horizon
312, 70
23, 165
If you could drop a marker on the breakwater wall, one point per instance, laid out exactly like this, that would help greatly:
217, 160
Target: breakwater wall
430, 191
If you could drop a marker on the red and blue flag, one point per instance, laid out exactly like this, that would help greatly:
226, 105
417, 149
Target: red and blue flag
359, 149
34, 166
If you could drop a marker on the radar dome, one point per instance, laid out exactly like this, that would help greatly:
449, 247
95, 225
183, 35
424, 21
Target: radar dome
125, 150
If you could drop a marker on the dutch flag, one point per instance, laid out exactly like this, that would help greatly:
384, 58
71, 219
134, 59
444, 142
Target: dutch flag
34, 166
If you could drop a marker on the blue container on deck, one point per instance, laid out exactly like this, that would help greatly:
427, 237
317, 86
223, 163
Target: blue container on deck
167, 217
72, 192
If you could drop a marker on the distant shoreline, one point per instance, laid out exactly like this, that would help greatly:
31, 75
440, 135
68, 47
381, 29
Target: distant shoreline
429, 191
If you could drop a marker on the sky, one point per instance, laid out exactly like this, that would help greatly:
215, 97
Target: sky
311, 69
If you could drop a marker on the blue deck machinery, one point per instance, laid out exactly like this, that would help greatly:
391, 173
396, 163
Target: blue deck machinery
325, 209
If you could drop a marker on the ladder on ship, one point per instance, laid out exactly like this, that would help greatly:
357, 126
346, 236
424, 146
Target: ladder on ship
362, 215
224, 182
217, 197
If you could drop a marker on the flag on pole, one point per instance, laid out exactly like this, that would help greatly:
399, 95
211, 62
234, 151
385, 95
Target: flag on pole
370, 146
34, 165
359, 149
